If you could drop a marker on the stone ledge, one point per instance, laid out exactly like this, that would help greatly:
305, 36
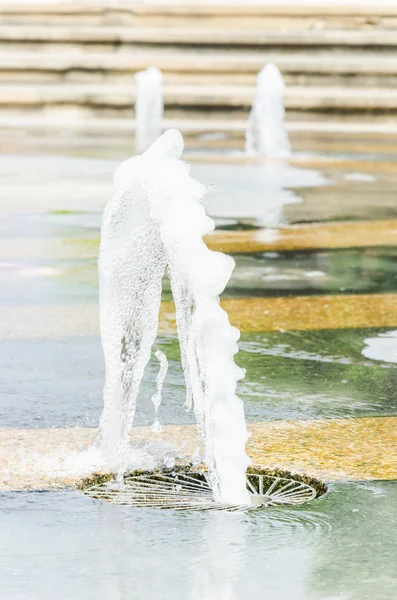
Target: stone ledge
331, 450
297, 237
239, 8
197, 35
307, 237
195, 127
193, 62
257, 315
122, 96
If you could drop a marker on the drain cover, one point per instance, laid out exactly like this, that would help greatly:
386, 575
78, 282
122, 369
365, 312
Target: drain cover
188, 490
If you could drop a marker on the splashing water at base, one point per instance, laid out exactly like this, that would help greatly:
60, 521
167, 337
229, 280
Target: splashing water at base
266, 133
149, 108
155, 221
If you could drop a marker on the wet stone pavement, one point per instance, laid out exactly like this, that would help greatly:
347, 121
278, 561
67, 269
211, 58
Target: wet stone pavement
314, 293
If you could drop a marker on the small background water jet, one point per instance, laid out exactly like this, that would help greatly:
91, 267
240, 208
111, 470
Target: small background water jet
155, 221
149, 108
266, 133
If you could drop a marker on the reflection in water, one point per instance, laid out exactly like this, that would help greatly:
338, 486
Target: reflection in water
314, 374
254, 194
339, 271
64, 545
360, 177
208, 555
217, 568
358, 560
26, 270
292, 375
383, 347
340, 546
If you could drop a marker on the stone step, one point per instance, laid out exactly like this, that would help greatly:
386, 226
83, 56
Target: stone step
193, 127
191, 67
365, 448
66, 133
217, 62
337, 59
248, 314
91, 136
121, 96
199, 36
211, 14
191, 64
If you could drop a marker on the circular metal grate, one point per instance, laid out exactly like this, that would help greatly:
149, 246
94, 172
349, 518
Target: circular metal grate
186, 490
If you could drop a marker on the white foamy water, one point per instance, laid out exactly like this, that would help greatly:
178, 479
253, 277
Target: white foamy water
155, 221
255, 194
149, 108
360, 177
382, 347
266, 133
156, 398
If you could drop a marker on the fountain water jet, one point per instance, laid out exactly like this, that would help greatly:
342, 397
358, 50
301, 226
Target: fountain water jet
266, 133
149, 108
155, 221
156, 398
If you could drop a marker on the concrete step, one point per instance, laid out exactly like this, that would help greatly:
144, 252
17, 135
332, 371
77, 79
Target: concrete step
189, 66
199, 36
193, 127
196, 126
192, 60
75, 60
121, 97
210, 14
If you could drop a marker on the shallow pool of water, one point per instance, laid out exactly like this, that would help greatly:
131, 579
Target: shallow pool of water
64, 545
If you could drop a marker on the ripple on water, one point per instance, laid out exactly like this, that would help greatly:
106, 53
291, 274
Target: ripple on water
288, 526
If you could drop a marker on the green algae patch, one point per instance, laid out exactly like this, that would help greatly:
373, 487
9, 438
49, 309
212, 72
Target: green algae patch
318, 485
94, 479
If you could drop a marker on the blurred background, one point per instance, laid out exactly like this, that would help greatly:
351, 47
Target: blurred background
67, 71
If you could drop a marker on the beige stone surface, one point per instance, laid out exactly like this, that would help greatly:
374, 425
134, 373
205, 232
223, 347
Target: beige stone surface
312, 312
125, 127
248, 314
199, 35
192, 61
232, 96
298, 237
234, 7
332, 450
307, 237
340, 449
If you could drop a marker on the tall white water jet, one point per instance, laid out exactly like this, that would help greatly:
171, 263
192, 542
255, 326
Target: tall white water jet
266, 133
155, 220
149, 108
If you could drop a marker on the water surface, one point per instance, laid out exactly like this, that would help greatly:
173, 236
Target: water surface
63, 545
